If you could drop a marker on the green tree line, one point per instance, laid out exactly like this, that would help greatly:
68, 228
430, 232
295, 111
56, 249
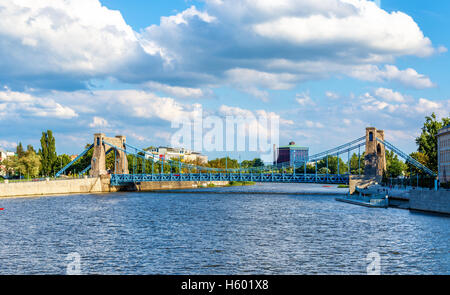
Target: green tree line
46, 162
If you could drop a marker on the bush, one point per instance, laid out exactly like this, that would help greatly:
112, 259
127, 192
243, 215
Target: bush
240, 183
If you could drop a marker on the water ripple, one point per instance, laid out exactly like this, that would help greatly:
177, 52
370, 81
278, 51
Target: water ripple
210, 233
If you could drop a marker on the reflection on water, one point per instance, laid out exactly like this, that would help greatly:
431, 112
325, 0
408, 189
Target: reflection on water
189, 233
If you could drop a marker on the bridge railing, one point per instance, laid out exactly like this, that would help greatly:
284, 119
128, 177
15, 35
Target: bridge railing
43, 179
124, 179
413, 181
407, 157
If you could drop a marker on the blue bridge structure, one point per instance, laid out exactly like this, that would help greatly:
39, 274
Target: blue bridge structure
148, 167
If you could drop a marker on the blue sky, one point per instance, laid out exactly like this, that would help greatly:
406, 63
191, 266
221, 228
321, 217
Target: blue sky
327, 69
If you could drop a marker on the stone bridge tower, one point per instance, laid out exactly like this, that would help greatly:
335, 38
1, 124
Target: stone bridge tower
375, 157
98, 162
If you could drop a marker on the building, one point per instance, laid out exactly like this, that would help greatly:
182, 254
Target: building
185, 155
443, 139
3, 155
292, 154
2, 167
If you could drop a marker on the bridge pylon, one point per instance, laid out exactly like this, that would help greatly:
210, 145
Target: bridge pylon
375, 156
98, 162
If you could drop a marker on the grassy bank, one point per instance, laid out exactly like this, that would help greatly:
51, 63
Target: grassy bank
342, 186
240, 183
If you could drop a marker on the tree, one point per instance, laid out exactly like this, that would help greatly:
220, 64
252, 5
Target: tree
257, 162
82, 163
10, 164
30, 164
20, 151
30, 148
419, 157
394, 167
223, 163
47, 152
62, 161
324, 170
333, 165
357, 164
427, 143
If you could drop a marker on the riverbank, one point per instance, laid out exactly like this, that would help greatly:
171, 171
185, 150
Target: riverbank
423, 200
55, 187
99, 185
92, 185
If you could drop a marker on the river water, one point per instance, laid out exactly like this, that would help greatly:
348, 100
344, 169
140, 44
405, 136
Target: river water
218, 231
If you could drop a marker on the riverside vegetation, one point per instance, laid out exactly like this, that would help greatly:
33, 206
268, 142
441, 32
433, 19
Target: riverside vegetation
46, 162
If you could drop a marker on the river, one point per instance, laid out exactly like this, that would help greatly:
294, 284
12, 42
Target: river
218, 231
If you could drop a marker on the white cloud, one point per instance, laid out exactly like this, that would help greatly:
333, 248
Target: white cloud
7, 144
19, 104
331, 95
78, 37
98, 122
390, 95
179, 92
311, 124
367, 24
250, 45
277, 44
249, 81
408, 77
425, 106
304, 99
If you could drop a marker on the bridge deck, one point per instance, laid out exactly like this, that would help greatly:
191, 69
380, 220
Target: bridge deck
123, 179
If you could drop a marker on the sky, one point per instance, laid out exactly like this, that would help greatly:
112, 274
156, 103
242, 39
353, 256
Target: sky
325, 69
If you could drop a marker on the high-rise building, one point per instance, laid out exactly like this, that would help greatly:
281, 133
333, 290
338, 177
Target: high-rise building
443, 139
292, 154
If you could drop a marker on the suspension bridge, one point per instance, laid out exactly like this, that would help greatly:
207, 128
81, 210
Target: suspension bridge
148, 167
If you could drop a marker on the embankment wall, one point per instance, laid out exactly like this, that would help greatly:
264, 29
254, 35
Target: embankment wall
55, 187
430, 201
91, 185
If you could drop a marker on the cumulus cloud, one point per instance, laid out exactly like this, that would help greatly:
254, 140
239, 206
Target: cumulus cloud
179, 92
408, 77
275, 45
304, 99
250, 45
390, 95
397, 105
331, 94
63, 41
225, 110
124, 105
7, 144
98, 122
14, 104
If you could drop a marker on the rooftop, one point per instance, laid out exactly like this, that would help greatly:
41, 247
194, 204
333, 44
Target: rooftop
294, 146
444, 129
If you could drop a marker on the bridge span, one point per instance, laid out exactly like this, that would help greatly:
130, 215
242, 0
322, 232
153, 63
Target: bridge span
147, 167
